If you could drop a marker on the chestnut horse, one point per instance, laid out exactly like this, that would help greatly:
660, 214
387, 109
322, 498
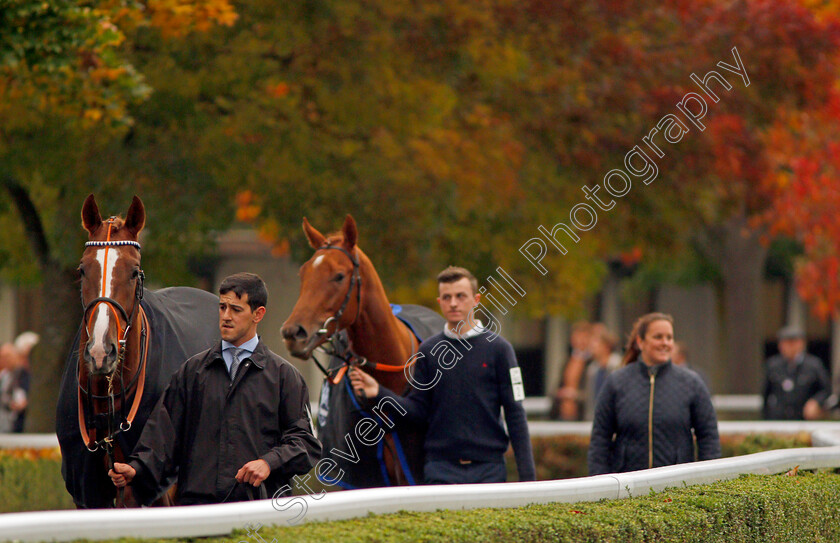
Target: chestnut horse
341, 291
125, 354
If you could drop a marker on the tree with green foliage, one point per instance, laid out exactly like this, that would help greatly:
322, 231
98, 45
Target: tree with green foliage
69, 97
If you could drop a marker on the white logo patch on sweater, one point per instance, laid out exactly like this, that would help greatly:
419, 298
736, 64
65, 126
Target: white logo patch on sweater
516, 382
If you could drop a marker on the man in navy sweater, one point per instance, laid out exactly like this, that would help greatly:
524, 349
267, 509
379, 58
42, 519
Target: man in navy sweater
462, 377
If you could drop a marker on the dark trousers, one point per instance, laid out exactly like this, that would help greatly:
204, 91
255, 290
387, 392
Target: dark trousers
439, 472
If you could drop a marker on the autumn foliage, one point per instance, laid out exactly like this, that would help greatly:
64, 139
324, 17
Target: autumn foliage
481, 120
806, 189
68, 57
451, 130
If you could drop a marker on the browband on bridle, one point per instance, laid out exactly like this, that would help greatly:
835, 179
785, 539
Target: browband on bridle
112, 244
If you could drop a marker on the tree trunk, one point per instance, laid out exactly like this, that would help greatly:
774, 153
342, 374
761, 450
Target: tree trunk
835, 350
742, 263
54, 312
59, 311
556, 352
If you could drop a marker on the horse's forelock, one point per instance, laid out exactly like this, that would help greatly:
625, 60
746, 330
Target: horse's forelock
335, 238
116, 227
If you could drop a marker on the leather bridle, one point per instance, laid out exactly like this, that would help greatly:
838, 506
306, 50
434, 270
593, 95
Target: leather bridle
355, 280
341, 348
109, 424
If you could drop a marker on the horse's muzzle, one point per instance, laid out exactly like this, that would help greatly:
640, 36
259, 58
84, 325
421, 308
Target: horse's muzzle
105, 362
298, 341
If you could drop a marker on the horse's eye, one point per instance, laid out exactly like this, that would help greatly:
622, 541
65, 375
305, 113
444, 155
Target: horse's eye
81, 271
338, 277
135, 274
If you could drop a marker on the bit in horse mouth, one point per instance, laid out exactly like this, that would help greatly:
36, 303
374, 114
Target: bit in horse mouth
314, 341
101, 372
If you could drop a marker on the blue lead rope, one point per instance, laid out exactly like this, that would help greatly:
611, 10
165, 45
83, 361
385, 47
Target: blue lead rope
380, 447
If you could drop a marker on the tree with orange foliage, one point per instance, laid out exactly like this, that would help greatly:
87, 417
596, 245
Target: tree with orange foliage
805, 183
735, 173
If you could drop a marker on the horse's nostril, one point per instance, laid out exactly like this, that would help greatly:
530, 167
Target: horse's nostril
111, 356
294, 331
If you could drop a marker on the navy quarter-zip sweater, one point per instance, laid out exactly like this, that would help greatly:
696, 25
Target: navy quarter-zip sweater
459, 387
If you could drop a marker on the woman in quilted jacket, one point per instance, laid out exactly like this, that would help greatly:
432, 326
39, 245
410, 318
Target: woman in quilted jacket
649, 411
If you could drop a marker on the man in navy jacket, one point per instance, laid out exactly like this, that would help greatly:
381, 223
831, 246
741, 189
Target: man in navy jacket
796, 383
462, 378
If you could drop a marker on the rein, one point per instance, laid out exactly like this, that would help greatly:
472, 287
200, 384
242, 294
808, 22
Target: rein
341, 349
91, 424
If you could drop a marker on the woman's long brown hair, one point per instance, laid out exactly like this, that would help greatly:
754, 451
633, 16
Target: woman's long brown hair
632, 351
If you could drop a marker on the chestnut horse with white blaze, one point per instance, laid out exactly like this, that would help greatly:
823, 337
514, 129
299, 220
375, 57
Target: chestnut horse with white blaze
129, 343
340, 291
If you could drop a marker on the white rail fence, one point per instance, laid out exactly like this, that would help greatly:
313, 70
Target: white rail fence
550, 428
537, 428
209, 520
539, 406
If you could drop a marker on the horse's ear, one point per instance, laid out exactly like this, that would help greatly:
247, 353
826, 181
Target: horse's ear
91, 219
350, 233
316, 239
135, 219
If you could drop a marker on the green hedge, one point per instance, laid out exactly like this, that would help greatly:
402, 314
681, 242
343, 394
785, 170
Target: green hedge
31, 481
753, 508
563, 457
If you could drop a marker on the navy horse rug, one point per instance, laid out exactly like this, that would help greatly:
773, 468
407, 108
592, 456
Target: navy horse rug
339, 411
183, 321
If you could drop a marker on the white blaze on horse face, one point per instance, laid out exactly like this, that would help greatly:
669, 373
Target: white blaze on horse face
317, 261
100, 323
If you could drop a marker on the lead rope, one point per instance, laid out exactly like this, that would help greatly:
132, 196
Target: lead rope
109, 439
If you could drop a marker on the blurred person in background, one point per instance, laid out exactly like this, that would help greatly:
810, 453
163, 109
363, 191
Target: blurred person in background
566, 404
23, 344
796, 383
605, 360
8, 362
680, 357
648, 409
832, 403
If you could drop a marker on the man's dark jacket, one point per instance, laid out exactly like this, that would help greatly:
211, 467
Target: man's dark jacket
807, 378
681, 402
206, 428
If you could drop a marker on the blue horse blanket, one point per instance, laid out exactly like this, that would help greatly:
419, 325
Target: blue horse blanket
183, 321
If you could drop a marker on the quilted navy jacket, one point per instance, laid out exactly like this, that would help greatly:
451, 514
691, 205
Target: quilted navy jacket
644, 418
